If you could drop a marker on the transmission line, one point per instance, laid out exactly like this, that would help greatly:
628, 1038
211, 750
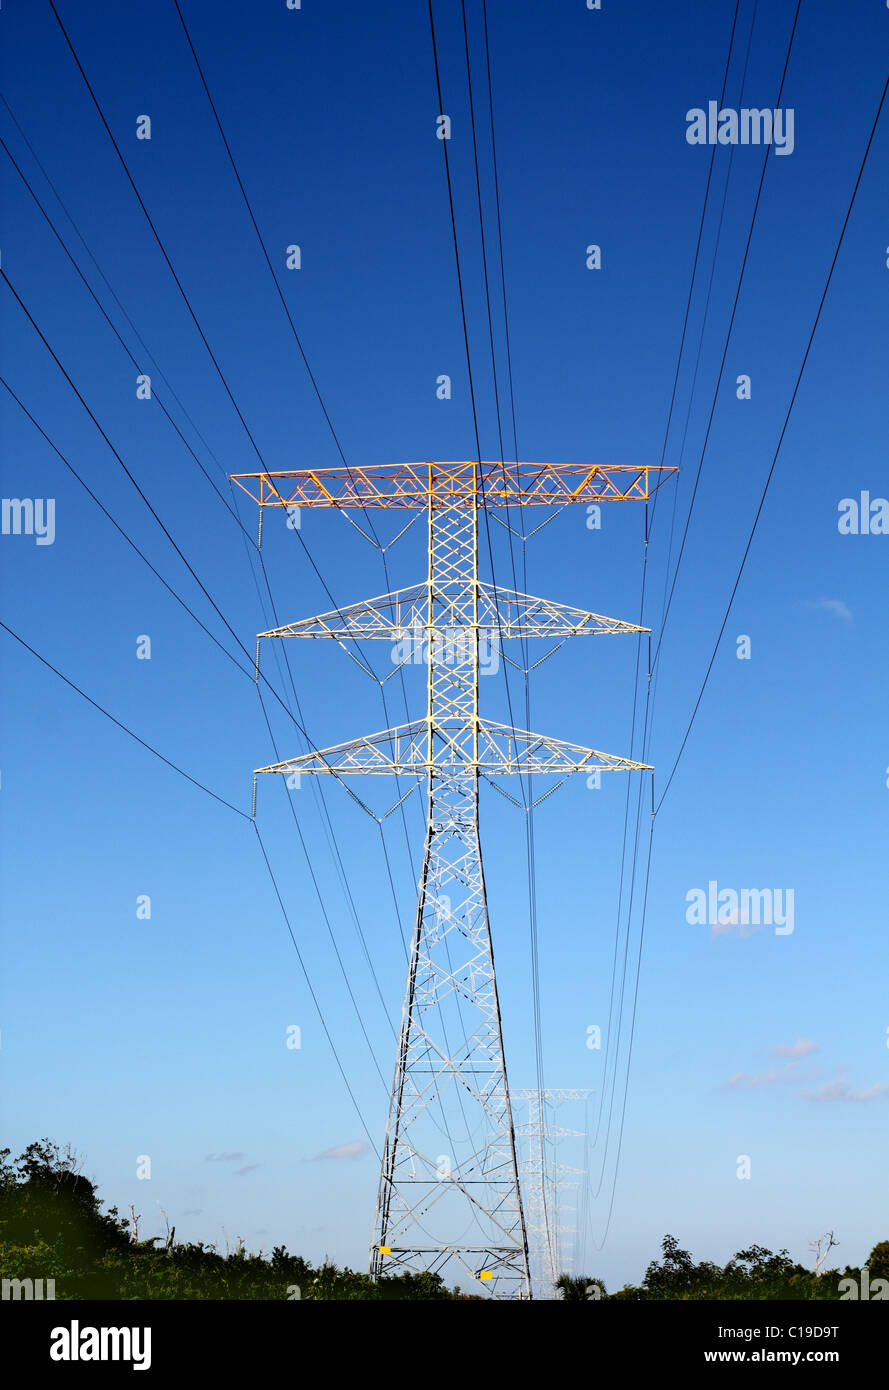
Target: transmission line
728, 336
313, 379
246, 672
648, 525
694, 268
529, 809
797, 383
120, 724
774, 461
698, 355
114, 296
315, 1001
652, 663
465, 327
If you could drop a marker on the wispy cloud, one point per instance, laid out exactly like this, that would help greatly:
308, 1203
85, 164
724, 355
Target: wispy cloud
832, 605
250, 1168
803, 1047
224, 1158
841, 1090
823, 1093
741, 1081
356, 1148
735, 921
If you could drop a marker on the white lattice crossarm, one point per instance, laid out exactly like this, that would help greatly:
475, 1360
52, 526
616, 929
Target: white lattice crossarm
382, 617
484, 749
405, 613
558, 1095
552, 1132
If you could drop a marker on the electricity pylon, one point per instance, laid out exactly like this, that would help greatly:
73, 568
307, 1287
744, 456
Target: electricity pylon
540, 1182
455, 1212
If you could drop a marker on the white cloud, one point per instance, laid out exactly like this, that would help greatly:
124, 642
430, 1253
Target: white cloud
833, 605
355, 1149
801, 1048
742, 1082
841, 1090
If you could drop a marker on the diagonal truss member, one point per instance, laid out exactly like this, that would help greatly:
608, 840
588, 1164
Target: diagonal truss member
452, 1213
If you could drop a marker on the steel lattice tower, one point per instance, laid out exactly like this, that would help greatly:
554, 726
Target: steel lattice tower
454, 1213
542, 1181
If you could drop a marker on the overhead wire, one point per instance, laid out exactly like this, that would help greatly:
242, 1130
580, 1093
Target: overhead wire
184, 559
327, 1032
331, 834
315, 386
230, 393
649, 700
296, 336
303, 355
120, 529
648, 524
472, 393
728, 337
120, 724
649, 692
191, 613
229, 805
530, 846
698, 356
652, 664
156, 369
247, 538
656, 808
786, 422
694, 268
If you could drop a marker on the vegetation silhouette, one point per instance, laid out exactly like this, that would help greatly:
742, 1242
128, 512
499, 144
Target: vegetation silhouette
751, 1274
53, 1226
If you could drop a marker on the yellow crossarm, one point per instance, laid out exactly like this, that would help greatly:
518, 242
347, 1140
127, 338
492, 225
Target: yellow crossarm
494, 484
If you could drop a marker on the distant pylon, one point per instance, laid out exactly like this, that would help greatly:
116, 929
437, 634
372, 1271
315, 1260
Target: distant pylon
454, 1213
542, 1180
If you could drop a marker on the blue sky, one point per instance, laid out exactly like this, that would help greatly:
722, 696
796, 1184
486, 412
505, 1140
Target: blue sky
167, 1037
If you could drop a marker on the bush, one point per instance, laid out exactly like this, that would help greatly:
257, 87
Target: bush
52, 1226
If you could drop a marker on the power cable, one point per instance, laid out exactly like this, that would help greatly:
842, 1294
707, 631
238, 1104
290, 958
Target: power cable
311, 990
617, 933
120, 724
728, 337
694, 268
314, 382
778, 446
656, 809
477, 442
